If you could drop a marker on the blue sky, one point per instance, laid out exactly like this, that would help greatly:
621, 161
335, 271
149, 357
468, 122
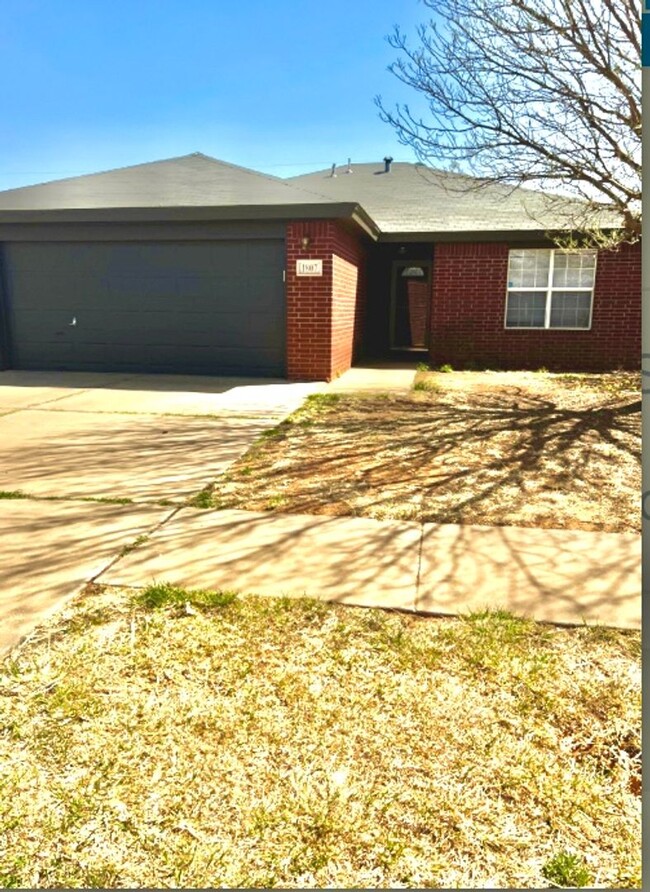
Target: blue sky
284, 87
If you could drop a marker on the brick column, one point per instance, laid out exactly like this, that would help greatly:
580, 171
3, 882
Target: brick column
323, 312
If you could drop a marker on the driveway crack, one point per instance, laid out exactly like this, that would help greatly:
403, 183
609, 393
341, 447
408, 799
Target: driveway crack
419, 568
135, 543
54, 399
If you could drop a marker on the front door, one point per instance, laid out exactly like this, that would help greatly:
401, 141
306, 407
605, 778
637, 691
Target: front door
410, 305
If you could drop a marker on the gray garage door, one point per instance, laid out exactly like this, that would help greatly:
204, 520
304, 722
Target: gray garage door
194, 307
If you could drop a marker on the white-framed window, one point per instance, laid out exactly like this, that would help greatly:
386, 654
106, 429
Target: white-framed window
549, 288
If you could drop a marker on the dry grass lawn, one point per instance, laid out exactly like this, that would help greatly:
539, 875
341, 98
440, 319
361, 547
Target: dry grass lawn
521, 449
173, 739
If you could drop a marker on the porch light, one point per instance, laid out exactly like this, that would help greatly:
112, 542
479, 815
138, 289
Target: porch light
305, 241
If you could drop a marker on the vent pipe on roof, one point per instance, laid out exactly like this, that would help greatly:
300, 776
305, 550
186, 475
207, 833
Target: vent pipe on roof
387, 163
333, 171
349, 167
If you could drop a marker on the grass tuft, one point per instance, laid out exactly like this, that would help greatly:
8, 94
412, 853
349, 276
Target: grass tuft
13, 494
567, 871
164, 594
272, 433
137, 542
109, 500
203, 498
317, 401
275, 501
427, 385
609, 383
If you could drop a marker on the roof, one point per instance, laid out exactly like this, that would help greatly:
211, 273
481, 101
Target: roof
410, 199
188, 181
415, 198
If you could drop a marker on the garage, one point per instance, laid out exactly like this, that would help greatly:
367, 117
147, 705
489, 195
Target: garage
195, 307
188, 265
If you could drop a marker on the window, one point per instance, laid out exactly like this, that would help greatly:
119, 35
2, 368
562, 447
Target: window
550, 288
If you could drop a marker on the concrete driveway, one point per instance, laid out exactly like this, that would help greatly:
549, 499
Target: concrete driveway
66, 437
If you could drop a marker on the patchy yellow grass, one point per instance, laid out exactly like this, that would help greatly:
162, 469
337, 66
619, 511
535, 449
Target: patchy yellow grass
186, 740
521, 449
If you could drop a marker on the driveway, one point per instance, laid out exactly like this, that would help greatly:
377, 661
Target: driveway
103, 459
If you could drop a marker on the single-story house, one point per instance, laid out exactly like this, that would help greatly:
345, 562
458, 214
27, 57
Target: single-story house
193, 265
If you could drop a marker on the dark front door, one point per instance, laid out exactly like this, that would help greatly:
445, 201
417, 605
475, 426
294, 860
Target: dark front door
410, 305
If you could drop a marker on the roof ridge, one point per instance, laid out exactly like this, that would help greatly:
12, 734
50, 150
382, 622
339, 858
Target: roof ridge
281, 181
251, 170
269, 176
379, 163
96, 173
457, 175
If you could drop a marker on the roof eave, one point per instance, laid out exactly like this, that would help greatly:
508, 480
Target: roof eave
326, 210
492, 235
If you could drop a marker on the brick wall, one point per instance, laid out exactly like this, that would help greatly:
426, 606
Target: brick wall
345, 278
467, 319
324, 313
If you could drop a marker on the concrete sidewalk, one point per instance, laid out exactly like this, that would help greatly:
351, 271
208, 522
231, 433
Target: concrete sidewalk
558, 576
75, 436
50, 549
379, 377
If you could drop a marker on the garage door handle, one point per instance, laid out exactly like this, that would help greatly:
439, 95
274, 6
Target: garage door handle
74, 320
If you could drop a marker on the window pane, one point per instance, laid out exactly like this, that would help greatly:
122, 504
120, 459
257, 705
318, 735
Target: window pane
574, 270
529, 268
526, 309
570, 309
414, 272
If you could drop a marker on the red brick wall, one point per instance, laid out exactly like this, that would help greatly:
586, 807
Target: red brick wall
345, 276
348, 298
323, 312
467, 319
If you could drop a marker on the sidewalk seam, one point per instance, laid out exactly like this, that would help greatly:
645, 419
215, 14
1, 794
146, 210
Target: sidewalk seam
65, 396
55, 399
150, 532
419, 569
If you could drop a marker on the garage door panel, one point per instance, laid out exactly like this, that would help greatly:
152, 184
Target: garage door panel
266, 255
168, 328
41, 292
235, 256
192, 359
265, 303
45, 354
197, 292
173, 306
200, 359
142, 291
247, 293
44, 325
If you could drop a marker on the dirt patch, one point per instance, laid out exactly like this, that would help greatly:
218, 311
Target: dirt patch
521, 449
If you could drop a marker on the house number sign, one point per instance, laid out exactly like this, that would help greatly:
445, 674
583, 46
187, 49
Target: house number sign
309, 267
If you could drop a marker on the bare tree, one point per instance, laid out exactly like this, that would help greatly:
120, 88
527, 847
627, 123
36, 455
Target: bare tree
544, 93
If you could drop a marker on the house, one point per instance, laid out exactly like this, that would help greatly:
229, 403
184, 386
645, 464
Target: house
193, 265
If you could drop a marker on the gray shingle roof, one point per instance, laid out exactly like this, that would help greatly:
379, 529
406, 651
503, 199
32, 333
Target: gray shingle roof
417, 199
188, 181
411, 198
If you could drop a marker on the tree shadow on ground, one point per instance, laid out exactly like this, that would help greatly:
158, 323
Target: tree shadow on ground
473, 458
